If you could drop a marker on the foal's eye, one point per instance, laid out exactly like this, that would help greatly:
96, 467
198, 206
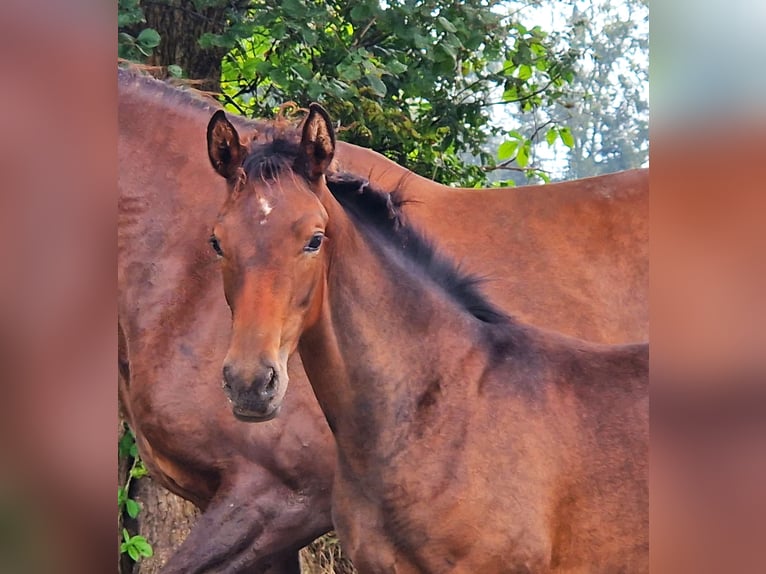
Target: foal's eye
314, 243
215, 245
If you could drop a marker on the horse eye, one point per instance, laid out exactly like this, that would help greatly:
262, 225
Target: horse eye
215, 245
314, 243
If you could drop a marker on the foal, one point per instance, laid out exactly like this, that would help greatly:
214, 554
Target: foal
467, 441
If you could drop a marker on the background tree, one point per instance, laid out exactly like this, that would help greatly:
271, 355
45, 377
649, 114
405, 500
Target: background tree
166, 33
607, 108
416, 81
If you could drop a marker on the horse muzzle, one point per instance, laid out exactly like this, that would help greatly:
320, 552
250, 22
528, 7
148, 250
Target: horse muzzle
256, 398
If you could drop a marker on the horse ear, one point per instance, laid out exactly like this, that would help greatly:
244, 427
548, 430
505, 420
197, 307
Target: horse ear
223, 148
317, 142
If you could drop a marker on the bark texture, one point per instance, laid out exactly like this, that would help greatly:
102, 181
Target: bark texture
165, 520
180, 25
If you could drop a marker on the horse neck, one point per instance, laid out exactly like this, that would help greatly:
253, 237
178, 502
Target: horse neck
386, 338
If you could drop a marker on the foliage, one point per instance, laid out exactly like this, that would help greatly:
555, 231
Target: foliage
414, 80
608, 108
134, 546
134, 42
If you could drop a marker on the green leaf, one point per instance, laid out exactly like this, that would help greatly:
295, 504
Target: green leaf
522, 156
175, 70
125, 535
507, 149
567, 138
279, 31
360, 12
348, 72
511, 94
421, 42
551, 136
293, 8
395, 67
122, 495
309, 36
302, 70
263, 67
132, 507
447, 49
525, 72
279, 77
149, 38
446, 24
133, 553
143, 547
126, 441
139, 470
376, 84
126, 38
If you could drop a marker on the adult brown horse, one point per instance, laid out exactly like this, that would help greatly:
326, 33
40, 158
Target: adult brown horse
578, 251
467, 440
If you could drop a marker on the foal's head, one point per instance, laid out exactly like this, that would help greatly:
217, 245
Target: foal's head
270, 236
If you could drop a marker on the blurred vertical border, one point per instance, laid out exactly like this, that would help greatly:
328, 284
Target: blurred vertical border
57, 286
708, 286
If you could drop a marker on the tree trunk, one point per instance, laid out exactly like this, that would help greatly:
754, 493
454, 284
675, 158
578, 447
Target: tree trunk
180, 25
165, 520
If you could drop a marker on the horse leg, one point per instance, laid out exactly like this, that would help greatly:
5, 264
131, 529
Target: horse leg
284, 563
295, 522
252, 528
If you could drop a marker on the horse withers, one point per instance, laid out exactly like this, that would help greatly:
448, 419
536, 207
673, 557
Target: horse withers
467, 440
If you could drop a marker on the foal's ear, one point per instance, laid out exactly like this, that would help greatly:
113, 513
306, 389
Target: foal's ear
223, 147
317, 142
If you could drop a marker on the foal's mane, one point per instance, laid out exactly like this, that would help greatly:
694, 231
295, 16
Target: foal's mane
378, 213
381, 212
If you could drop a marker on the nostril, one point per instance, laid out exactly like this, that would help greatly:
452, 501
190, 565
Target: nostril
272, 381
267, 383
227, 373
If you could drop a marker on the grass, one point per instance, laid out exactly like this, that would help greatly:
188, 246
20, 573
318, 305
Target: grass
325, 556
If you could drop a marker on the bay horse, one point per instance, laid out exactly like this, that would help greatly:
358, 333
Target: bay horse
584, 243
467, 440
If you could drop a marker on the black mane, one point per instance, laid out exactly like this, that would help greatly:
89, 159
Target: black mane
266, 161
381, 212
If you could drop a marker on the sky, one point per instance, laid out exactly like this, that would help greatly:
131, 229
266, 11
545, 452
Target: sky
554, 159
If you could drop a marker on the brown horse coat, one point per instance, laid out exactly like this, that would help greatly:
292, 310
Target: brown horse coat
261, 489
467, 441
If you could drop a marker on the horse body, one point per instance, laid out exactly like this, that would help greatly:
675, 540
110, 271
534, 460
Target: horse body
582, 244
265, 489
467, 441
491, 478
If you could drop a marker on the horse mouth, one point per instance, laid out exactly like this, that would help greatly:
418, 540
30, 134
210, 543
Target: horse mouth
249, 416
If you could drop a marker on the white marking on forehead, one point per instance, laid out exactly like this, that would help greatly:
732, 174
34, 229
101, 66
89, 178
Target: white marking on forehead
265, 208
